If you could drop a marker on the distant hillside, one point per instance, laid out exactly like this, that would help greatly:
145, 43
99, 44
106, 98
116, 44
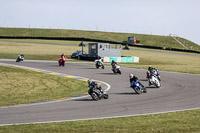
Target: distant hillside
150, 40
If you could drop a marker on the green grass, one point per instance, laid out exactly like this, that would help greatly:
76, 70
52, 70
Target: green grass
33, 82
177, 122
18, 86
36, 51
151, 40
163, 60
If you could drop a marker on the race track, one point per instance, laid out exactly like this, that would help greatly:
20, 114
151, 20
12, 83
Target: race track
178, 92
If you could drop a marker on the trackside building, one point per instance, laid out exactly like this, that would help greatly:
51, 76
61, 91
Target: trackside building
109, 52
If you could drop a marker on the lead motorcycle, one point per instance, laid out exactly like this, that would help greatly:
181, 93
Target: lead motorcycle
62, 60
99, 63
116, 69
153, 80
20, 58
138, 87
96, 91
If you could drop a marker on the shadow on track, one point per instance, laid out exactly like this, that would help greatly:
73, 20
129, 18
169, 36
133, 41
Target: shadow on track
151, 87
83, 99
143, 79
108, 73
125, 93
89, 68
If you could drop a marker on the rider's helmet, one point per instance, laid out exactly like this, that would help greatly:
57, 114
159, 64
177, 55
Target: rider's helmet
89, 81
113, 61
22, 54
150, 68
130, 75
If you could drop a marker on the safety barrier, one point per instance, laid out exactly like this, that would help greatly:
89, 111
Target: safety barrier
132, 59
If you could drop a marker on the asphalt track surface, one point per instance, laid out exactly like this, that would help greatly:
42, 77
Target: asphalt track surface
178, 91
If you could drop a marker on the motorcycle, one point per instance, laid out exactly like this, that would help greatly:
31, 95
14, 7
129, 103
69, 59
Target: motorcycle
96, 91
153, 80
99, 63
61, 61
116, 69
20, 58
156, 73
138, 87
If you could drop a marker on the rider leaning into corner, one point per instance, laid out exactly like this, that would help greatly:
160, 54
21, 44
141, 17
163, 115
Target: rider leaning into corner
100, 60
153, 70
135, 79
93, 84
113, 63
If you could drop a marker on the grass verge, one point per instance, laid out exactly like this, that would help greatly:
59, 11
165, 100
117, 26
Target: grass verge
163, 60
176, 122
19, 86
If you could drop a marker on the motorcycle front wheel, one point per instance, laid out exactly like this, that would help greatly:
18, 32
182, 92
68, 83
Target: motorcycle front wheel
137, 90
105, 96
114, 71
144, 90
120, 72
97, 66
157, 84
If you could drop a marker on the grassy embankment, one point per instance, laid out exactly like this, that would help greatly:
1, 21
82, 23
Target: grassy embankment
151, 40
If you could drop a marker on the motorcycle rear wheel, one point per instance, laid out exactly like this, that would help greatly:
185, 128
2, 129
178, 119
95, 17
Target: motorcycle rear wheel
97, 66
95, 96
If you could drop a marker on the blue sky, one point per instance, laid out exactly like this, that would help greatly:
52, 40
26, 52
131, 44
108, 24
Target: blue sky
157, 17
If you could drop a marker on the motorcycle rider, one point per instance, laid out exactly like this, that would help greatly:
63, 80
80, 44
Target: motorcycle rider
154, 71
63, 56
113, 63
93, 84
20, 57
135, 79
99, 61
151, 69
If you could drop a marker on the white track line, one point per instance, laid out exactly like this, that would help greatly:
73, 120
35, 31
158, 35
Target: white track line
46, 102
98, 118
103, 117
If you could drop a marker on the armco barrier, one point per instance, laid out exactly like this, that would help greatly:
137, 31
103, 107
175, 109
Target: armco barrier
132, 59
